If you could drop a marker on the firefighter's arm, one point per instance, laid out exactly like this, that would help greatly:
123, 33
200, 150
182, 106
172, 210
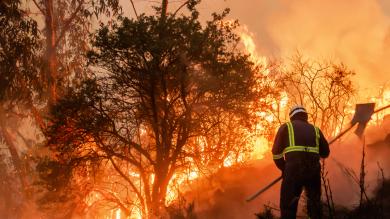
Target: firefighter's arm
278, 147
324, 146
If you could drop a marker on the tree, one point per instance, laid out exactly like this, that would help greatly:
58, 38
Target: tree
18, 77
22, 84
159, 85
324, 88
67, 25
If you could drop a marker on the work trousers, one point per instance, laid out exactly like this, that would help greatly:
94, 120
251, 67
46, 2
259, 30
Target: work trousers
296, 178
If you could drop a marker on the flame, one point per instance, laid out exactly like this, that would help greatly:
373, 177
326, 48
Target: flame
176, 184
91, 198
260, 144
228, 162
247, 39
386, 96
118, 214
261, 147
381, 99
137, 214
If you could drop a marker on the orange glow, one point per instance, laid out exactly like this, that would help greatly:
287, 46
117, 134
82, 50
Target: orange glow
118, 214
228, 162
247, 39
260, 148
381, 99
176, 184
92, 198
136, 214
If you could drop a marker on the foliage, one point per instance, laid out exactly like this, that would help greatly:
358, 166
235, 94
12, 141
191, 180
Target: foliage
19, 45
66, 31
58, 187
160, 86
19, 78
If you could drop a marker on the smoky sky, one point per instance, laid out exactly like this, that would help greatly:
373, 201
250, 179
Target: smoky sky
354, 32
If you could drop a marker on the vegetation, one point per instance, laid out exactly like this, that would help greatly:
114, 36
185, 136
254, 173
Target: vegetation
325, 88
149, 103
18, 83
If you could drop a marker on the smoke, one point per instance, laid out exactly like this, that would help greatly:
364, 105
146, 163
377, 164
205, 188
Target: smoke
346, 158
355, 32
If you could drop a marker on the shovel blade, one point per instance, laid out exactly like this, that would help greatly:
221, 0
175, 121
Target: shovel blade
363, 113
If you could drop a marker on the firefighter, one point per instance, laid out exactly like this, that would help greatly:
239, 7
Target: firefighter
297, 149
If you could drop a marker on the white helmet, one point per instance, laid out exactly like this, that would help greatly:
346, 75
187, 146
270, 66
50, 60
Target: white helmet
297, 109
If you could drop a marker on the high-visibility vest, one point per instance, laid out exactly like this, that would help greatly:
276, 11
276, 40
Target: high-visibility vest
292, 147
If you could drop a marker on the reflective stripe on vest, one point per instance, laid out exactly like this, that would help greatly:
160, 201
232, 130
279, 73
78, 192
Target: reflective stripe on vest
292, 147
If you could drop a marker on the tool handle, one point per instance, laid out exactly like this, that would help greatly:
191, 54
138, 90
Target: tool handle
380, 109
341, 134
264, 189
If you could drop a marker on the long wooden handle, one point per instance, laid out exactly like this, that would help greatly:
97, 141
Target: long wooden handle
264, 189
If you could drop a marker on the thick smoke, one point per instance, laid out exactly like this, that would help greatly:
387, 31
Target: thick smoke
346, 159
355, 32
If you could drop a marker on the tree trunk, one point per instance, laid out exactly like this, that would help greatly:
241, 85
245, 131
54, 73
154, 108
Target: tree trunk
164, 8
51, 55
16, 161
160, 186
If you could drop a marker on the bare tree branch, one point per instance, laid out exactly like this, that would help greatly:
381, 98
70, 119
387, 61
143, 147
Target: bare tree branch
135, 11
125, 177
180, 7
39, 7
112, 197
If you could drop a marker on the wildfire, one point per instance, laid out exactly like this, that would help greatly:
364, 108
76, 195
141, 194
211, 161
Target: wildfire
118, 214
261, 147
175, 186
259, 143
381, 99
247, 39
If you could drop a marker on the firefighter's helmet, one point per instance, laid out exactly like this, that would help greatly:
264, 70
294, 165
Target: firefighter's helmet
297, 109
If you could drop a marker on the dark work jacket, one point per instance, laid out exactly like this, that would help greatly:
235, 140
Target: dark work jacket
304, 134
